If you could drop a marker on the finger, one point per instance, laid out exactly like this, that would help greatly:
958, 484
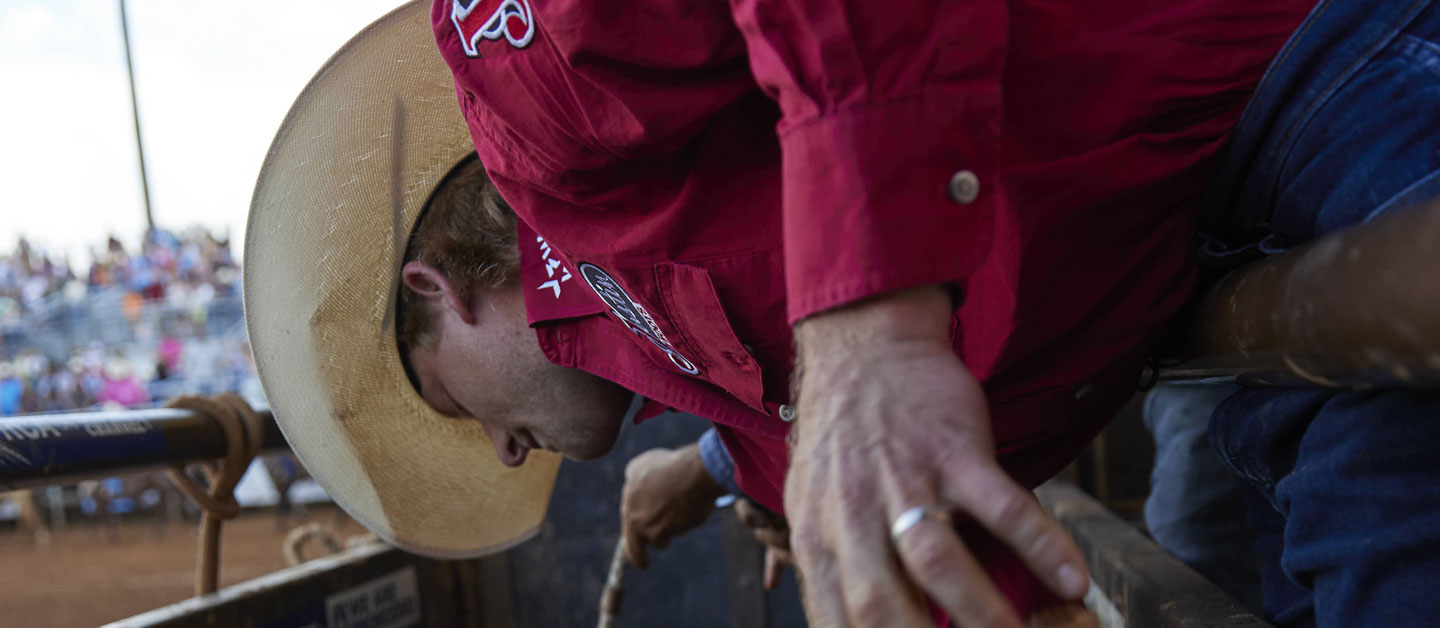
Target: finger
635, 548
783, 556
820, 591
939, 563
875, 589
1014, 516
749, 514
773, 568
771, 537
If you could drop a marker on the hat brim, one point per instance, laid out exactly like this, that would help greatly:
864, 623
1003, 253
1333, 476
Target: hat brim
350, 170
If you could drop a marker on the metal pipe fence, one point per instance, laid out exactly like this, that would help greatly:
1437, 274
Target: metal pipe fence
46, 449
1351, 310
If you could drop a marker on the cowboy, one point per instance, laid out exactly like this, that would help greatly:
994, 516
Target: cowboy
983, 210
965, 321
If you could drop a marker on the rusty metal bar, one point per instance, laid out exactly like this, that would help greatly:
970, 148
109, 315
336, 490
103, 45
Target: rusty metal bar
1146, 585
1356, 309
45, 449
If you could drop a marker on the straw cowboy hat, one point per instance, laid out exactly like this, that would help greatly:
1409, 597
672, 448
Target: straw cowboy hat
348, 174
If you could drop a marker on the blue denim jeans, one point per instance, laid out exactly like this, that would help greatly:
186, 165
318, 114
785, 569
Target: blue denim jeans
1341, 129
1194, 509
1344, 487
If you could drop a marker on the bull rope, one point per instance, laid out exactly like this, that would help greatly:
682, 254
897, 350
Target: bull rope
244, 435
293, 547
614, 586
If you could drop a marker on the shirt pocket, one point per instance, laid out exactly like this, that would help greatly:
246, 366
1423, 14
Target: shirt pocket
694, 310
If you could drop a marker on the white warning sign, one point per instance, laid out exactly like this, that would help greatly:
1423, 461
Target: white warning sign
391, 601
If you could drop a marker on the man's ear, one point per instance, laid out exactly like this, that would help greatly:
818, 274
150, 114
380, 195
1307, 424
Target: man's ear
428, 282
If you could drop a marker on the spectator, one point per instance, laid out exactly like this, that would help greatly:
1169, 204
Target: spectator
149, 304
122, 388
204, 362
171, 352
11, 390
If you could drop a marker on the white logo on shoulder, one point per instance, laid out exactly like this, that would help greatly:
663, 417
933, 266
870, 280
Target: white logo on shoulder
632, 314
492, 20
552, 265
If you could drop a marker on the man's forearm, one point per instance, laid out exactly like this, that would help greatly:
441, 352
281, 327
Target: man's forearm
690, 467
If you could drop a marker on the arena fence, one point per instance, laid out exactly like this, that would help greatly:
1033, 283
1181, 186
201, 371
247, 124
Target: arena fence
1140, 583
1351, 310
47, 449
375, 585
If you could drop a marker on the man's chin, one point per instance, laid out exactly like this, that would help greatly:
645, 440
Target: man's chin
589, 451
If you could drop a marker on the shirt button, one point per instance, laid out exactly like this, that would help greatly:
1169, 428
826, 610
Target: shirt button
787, 413
1084, 391
964, 187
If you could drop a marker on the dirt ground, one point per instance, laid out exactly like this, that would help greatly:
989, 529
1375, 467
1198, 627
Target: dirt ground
91, 574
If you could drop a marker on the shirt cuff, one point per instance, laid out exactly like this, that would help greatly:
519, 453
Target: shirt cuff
869, 204
718, 462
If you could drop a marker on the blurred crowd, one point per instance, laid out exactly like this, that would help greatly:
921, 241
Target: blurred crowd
96, 378
135, 330
193, 263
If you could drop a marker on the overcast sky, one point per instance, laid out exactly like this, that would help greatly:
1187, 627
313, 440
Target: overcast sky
214, 80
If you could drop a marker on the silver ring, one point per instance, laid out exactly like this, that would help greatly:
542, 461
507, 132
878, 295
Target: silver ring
913, 516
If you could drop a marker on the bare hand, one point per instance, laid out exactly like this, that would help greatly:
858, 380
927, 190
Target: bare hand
667, 492
890, 419
772, 531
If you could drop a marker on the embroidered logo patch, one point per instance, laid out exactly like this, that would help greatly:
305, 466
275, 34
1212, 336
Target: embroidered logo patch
632, 314
492, 20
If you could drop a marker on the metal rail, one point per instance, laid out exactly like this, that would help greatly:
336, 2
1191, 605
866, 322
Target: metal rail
1356, 309
45, 449
1147, 586
370, 585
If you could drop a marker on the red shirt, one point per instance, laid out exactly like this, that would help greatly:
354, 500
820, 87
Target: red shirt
706, 173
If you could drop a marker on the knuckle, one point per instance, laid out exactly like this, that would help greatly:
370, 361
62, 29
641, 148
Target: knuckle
1042, 539
871, 607
772, 538
1011, 510
638, 522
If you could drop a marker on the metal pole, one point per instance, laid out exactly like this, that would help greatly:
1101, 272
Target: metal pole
46, 449
135, 112
1356, 309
